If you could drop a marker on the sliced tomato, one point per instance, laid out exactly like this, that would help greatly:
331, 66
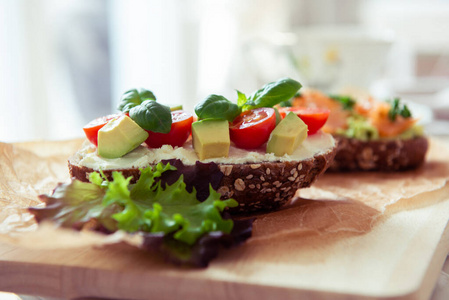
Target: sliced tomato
251, 129
180, 130
314, 117
92, 128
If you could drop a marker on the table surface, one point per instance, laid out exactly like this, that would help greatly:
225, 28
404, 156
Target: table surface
441, 290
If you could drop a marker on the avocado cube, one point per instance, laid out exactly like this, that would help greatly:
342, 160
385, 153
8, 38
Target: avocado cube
119, 137
287, 135
210, 138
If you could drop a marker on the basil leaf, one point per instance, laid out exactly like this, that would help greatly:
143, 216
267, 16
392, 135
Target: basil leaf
242, 99
152, 116
287, 103
217, 107
273, 93
133, 98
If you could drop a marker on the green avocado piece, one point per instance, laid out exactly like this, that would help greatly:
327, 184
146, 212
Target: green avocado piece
287, 135
210, 138
119, 137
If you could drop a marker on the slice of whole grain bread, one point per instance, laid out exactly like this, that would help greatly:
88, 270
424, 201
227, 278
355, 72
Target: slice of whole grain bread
379, 155
260, 186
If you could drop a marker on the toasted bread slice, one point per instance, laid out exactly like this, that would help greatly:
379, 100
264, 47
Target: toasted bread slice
379, 155
256, 186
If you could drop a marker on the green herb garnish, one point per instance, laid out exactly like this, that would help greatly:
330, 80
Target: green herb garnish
134, 97
153, 116
145, 111
272, 93
289, 102
398, 108
218, 107
346, 102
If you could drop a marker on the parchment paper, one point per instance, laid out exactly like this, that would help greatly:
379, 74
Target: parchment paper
381, 189
337, 203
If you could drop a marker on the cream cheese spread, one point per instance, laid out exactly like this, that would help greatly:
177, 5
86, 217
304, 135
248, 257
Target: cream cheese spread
144, 156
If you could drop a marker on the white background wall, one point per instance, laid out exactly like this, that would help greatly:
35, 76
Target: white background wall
62, 63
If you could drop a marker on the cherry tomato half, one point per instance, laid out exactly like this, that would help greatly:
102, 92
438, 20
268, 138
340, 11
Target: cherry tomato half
180, 130
314, 117
92, 128
251, 129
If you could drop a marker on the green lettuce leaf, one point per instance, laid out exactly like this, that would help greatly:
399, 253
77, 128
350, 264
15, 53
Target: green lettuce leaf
74, 204
148, 206
167, 210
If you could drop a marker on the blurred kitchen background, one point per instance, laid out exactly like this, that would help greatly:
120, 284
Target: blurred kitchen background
63, 63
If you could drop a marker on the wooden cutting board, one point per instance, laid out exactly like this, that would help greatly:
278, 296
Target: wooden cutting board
400, 258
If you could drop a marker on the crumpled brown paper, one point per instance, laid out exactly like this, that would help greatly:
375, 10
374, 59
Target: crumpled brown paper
349, 202
381, 189
26, 171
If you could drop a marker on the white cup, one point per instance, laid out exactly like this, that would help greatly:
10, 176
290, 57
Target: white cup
326, 58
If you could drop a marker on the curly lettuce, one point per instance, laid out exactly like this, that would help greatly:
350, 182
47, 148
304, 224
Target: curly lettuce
172, 219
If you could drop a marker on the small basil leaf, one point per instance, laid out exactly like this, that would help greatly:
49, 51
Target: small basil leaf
242, 99
217, 107
134, 98
152, 116
273, 93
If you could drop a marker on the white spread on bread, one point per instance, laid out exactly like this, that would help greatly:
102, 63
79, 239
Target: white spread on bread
142, 156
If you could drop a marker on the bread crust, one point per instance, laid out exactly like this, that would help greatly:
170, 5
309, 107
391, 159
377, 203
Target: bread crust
263, 186
379, 155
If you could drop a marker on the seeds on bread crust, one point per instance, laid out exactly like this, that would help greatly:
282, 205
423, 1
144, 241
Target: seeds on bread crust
255, 186
379, 155
269, 185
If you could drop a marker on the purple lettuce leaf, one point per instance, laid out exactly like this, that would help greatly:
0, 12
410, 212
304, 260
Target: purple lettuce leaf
107, 206
199, 176
203, 251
